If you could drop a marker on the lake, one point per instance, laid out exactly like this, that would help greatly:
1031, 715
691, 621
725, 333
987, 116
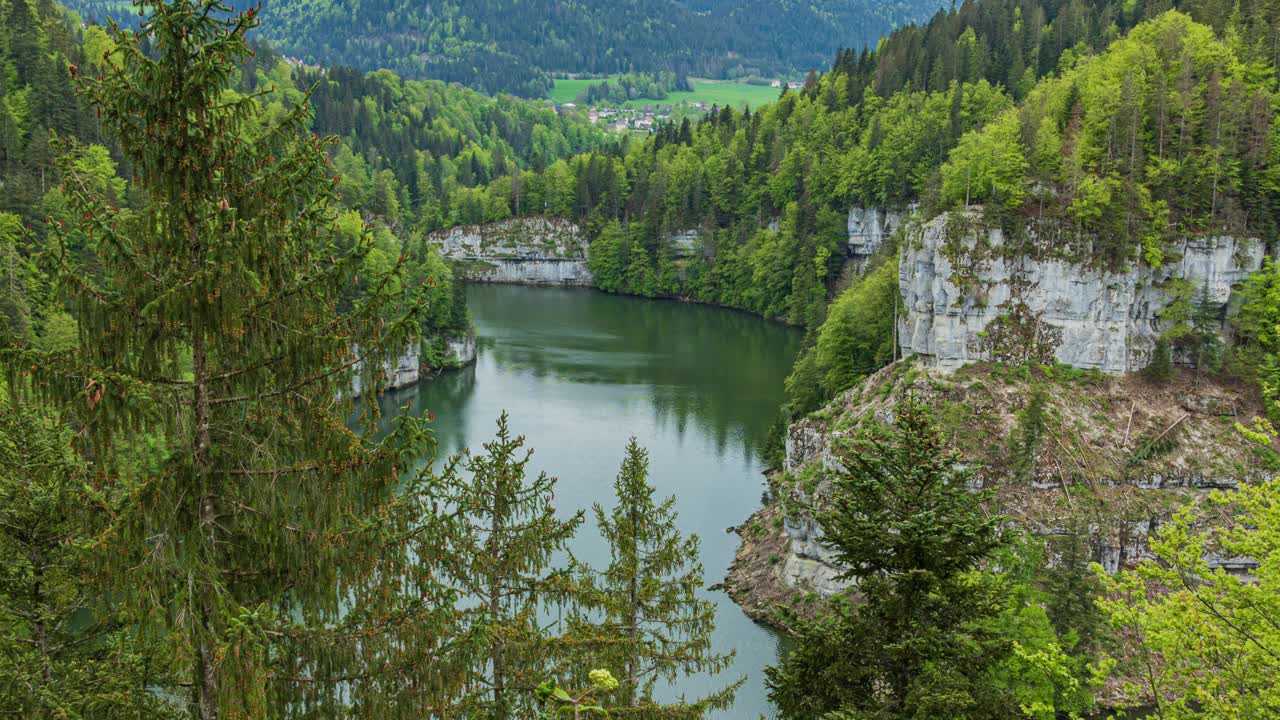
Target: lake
580, 371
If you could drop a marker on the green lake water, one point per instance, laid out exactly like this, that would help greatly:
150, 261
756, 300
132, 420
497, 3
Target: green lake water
581, 371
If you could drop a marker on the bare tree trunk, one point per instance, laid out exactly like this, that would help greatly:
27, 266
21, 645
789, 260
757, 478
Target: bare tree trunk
206, 669
496, 649
633, 612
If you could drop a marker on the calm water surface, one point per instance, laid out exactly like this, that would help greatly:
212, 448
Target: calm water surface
580, 372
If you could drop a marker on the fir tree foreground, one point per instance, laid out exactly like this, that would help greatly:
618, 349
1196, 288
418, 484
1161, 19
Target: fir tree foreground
643, 617
934, 630
210, 332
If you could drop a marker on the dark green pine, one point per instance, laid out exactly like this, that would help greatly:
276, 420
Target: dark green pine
255, 535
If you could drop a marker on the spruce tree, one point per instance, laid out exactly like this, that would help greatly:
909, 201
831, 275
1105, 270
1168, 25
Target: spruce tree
1024, 441
262, 544
645, 620
920, 641
1204, 332
503, 564
1160, 369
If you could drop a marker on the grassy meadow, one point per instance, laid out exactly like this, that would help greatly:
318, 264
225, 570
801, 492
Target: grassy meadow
711, 92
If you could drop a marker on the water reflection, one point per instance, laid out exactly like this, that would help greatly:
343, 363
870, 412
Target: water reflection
580, 371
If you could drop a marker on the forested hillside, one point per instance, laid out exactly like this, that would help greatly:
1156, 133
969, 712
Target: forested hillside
207, 531
513, 46
1029, 109
403, 146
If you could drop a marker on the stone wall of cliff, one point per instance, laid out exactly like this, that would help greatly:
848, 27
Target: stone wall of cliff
1094, 465
439, 352
970, 295
869, 229
523, 251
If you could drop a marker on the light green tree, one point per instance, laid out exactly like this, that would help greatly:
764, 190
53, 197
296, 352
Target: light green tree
988, 166
15, 285
1207, 640
503, 561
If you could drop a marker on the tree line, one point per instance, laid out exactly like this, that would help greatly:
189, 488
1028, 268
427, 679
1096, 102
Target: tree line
513, 47
618, 90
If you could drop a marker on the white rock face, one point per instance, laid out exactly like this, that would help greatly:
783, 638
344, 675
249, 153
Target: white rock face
460, 350
685, 243
531, 272
811, 566
869, 227
1108, 321
523, 251
403, 372
409, 368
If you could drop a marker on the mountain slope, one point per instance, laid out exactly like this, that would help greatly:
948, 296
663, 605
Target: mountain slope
512, 45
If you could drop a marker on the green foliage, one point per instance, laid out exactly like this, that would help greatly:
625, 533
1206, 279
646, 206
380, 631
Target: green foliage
855, 340
210, 328
1047, 671
988, 166
576, 704
37, 41
1024, 442
15, 282
643, 617
1207, 638
1070, 589
1257, 331
1205, 343
505, 47
922, 641
623, 88
608, 258
503, 560
1160, 369
1145, 139
65, 651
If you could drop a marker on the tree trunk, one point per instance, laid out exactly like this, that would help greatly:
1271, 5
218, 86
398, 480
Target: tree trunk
633, 609
496, 649
206, 670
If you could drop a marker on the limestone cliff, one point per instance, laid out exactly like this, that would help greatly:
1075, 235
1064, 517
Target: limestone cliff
443, 351
869, 228
552, 251
1118, 455
967, 292
525, 251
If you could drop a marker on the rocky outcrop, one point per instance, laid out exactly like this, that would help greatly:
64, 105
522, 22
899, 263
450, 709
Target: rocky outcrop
523, 251
459, 349
441, 352
1097, 462
868, 230
1117, 455
959, 278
